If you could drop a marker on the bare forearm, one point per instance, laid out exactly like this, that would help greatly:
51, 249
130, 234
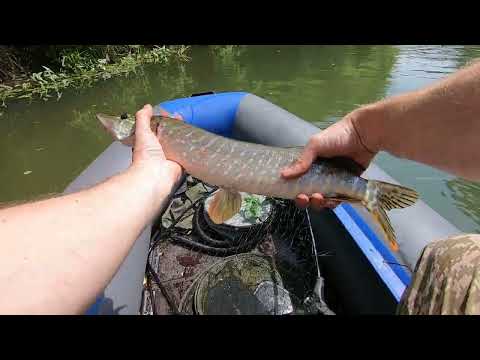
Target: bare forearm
89, 235
438, 125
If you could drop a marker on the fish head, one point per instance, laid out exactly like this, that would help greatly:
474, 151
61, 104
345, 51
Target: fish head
121, 127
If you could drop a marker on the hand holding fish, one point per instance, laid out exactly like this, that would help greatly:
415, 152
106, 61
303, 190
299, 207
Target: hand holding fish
148, 152
237, 166
340, 139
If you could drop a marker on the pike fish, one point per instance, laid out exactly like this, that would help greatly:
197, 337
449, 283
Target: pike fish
237, 166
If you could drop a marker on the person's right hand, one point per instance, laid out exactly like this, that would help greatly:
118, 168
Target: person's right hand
339, 139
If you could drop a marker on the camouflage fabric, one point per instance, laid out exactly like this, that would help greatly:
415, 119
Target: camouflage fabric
446, 279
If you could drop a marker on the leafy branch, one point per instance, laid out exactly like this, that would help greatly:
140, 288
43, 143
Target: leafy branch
80, 70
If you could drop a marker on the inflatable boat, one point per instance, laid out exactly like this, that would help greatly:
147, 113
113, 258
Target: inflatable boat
368, 277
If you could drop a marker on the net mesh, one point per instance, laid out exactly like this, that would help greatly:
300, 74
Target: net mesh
265, 264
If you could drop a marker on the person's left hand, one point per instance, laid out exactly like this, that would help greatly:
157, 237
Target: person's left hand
148, 152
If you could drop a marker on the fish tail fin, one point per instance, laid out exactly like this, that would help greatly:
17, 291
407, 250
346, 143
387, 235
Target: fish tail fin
381, 197
224, 205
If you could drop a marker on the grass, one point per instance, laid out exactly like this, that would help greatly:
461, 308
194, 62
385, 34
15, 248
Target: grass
80, 67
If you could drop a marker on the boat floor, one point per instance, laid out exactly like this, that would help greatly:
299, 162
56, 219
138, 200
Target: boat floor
178, 268
169, 285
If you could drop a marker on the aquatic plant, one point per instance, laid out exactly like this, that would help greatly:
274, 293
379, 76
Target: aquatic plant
253, 207
79, 68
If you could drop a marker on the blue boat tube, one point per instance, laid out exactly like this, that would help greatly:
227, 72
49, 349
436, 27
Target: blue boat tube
368, 276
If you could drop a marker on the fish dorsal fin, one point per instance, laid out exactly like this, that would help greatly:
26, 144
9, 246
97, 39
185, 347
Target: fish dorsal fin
224, 205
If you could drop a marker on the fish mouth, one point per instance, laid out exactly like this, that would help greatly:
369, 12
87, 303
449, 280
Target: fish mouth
107, 120
112, 124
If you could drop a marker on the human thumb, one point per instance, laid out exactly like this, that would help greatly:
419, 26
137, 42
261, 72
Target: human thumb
143, 131
302, 164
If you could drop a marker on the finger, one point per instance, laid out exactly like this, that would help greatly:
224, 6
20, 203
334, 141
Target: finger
317, 201
300, 166
164, 113
143, 117
302, 201
178, 116
143, 131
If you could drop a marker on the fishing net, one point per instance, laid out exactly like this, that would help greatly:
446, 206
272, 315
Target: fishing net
259, 262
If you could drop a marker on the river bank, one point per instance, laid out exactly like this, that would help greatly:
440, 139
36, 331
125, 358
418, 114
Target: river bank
45, 72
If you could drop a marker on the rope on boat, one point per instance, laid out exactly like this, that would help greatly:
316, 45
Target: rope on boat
318, 290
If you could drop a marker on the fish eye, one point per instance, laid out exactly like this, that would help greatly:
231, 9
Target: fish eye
124, 116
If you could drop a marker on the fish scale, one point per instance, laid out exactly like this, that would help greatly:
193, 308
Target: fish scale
202, 146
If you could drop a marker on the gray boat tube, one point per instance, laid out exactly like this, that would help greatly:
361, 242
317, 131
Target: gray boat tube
367, 276
123, 294
261, 121
258, 120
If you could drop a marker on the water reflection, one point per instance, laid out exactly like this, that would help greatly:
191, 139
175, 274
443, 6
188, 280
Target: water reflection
45, 145
315, 82
466, 195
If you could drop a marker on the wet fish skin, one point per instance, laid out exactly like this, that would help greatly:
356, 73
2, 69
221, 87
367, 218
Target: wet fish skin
248, 167
255, 168
241, 166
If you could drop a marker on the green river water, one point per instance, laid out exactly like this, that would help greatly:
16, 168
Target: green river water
45, 145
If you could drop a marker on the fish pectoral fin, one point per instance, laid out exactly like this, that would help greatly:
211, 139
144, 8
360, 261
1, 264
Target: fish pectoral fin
224, 205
